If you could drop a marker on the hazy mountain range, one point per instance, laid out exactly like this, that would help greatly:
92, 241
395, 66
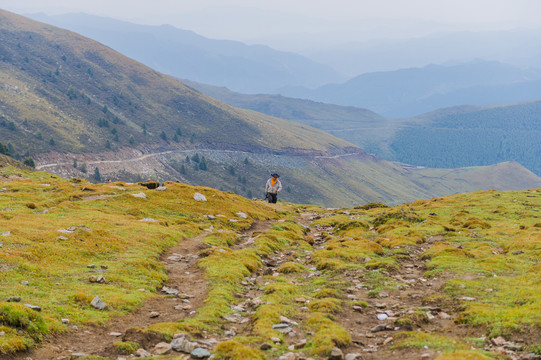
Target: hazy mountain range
408, 92
185, 54
423, 74
82, 110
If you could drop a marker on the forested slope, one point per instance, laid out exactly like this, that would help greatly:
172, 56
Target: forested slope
476, 137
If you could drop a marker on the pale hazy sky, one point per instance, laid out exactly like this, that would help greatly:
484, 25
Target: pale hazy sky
294, 21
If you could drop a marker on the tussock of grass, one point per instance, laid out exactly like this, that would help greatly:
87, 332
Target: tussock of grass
327, 334
229, 350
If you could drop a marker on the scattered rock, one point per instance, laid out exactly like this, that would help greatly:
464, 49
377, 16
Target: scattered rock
336, 354
65, 321
300, 300
200, 353
115, 334
161, 188
149, 220
287, 356
499, 341
276, 340
91, 266
467, 298
7, 233
379, 328
444, 315
2, 333
142, 353
199, 197
162, 348
300, 344
265, 346
140, 195
33, 307
14, 299
98, 304
242, 215
154, 314
25, 282
170, 291
353, 356
382, 317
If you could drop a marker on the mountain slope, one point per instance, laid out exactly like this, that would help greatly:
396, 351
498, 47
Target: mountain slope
408, 92
184, 54
361, 127
83, 110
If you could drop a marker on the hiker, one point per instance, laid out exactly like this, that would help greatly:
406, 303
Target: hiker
272, 188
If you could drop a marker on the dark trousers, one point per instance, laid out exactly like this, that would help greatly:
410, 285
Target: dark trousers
272, 198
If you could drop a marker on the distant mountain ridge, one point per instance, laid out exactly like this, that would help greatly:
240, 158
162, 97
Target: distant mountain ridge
409, 92
185, 54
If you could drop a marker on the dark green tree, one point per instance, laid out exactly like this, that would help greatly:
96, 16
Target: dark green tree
97, 175
29, 162
203, 164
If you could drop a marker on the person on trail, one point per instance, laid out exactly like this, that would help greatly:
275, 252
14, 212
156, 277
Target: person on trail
272, 188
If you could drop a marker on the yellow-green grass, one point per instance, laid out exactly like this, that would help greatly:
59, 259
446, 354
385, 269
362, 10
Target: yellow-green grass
71, 224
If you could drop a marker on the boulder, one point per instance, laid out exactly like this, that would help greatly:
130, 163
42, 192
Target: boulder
200, 353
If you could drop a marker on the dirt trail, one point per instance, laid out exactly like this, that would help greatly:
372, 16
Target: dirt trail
183, 275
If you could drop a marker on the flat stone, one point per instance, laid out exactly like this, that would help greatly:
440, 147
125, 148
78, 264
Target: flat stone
161, 188
280, 326
154, 314
242, 215
140, 195
199, 197
115, 334
353, 356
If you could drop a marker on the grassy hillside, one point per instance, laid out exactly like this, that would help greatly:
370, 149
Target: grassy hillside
69, 93
473, 136
456, 277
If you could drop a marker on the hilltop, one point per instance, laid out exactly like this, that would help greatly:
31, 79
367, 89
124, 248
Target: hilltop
81, 109
116, 269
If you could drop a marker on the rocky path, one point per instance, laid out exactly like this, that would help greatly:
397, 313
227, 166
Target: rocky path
372, 318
